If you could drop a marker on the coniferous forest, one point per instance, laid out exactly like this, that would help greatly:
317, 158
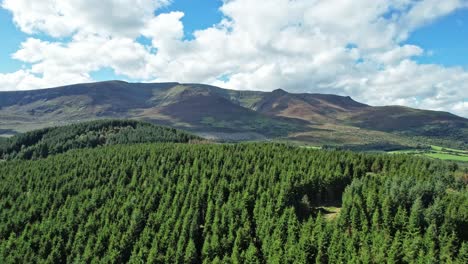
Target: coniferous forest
231, 203
48, 141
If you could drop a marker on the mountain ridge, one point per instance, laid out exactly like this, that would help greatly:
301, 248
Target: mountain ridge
206, 109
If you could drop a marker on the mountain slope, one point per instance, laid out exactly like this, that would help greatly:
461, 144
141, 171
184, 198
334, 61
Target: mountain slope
47, 141
315, 108
234, 115
394, 118
198, 108
341, 120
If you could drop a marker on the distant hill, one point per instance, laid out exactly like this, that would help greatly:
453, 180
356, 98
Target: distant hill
233, 115
43, 142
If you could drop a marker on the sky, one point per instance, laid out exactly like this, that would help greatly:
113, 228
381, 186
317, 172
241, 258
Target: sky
380, 52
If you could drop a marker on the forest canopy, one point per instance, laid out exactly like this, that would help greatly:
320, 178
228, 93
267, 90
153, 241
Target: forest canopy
231, 203
43, 142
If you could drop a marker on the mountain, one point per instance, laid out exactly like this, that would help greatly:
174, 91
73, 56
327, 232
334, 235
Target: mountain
233, 115
48, 141
347, 121
315, 108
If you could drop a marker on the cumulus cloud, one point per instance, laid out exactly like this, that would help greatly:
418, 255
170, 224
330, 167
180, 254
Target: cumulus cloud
85, 55
63, 18
166, 31
348, 47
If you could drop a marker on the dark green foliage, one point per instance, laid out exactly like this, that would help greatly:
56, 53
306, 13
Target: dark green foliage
244, 203
3, 142
381, 146
49, 141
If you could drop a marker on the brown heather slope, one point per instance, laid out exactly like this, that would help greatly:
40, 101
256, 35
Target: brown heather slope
209, 110
341, 120
315, 108
198, 108
394, 118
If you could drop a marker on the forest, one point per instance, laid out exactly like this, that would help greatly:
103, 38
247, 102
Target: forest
231, 203
48, 141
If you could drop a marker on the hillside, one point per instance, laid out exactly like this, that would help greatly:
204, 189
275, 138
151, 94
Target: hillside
222, 114
41, 143
315, 108
197, 108
234, 203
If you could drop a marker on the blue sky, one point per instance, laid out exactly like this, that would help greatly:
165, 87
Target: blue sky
198, 15
379, 52
446, 39
11, 39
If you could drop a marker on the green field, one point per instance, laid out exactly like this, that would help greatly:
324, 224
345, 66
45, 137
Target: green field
438, 152
445, 156
449, 150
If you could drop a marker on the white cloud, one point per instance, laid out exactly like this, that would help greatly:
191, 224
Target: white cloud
63, 18
426, 11
399, 53
352, 47
25, 79
85, 55
165, 30
430, 86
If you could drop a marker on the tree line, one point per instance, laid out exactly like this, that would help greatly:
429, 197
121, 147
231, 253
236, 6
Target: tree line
48, 141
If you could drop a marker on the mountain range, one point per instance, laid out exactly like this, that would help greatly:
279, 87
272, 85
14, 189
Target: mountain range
234, 115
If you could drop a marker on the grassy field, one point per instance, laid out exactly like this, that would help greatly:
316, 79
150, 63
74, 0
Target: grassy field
445, 156
449, 149
330, 212
437, 152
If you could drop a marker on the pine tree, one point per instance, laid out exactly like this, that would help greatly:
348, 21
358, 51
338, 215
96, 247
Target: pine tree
430, 239
463, 254
190, 253
251, 255
395, 253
